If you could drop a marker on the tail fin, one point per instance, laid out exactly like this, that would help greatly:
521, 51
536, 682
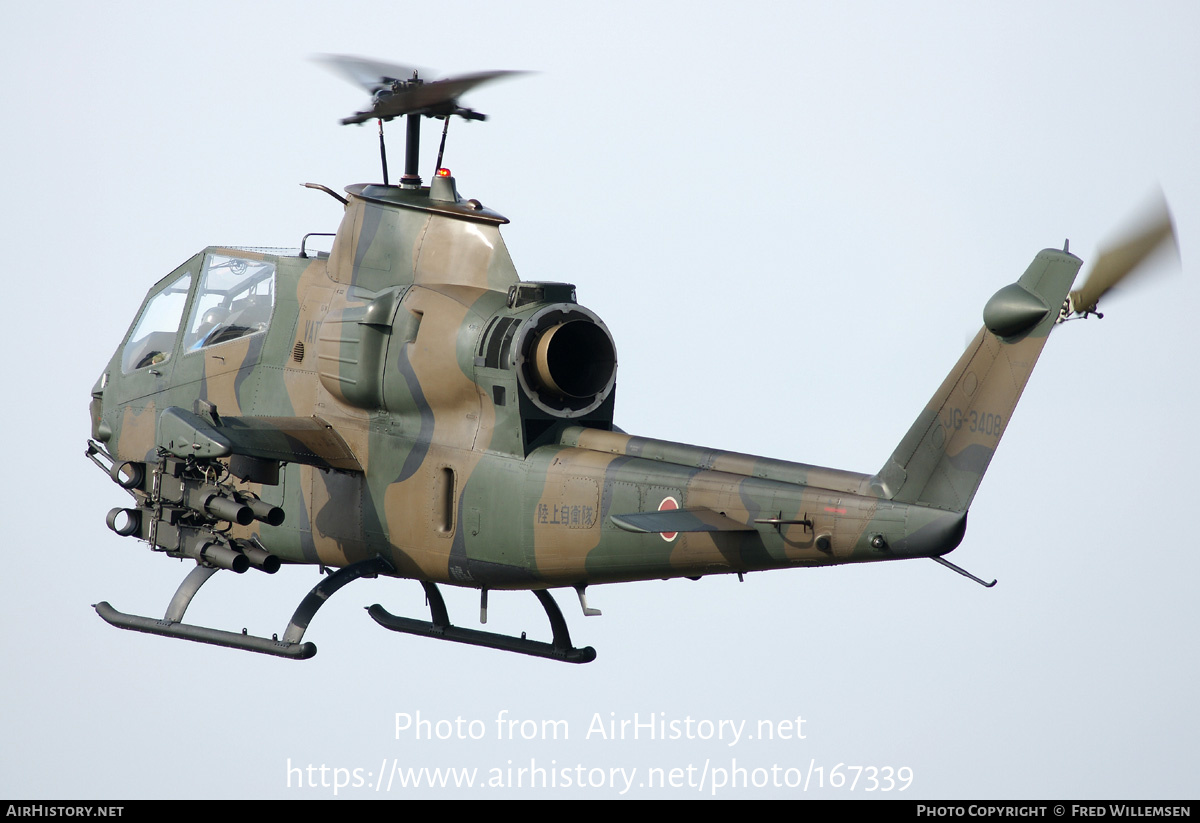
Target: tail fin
941, 460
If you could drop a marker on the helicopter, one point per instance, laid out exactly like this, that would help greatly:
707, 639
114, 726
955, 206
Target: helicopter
406, 406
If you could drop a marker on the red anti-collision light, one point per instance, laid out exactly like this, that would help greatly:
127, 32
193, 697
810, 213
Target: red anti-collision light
443, 172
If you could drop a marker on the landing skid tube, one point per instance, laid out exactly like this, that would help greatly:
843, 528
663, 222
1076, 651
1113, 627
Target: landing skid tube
441, 629
290, 646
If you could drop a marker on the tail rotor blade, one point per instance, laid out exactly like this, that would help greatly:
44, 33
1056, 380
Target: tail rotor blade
1115, 263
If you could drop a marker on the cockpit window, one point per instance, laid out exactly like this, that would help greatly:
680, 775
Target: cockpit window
153, 337
235, 299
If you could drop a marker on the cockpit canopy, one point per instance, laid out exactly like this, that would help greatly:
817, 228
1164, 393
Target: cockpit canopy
234, 298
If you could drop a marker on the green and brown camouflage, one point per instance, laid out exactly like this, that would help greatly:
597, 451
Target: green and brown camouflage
407, 406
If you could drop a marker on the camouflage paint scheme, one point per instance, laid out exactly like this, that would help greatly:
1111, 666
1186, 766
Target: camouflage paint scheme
405, 384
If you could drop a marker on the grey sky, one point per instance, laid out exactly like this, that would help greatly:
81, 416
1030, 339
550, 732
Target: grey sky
790, 216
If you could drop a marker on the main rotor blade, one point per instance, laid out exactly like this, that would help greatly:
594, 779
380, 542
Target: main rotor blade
398, 90
1156, 230
439, 97
371, 75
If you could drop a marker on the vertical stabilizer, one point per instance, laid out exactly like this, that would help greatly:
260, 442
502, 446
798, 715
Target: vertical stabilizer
942, 459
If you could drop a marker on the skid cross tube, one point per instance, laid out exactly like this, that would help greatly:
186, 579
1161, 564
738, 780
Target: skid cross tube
290, 646
440, 628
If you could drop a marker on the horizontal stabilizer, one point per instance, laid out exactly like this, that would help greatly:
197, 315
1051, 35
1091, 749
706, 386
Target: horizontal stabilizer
678, 520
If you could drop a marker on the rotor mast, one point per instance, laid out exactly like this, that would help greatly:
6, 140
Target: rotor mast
412, 154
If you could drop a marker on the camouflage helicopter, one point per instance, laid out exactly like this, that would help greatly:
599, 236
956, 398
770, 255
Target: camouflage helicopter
406, 406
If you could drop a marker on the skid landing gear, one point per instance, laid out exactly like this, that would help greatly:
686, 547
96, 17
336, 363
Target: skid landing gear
440, 628
290, 646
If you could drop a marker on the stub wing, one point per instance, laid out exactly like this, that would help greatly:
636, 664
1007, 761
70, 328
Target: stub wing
307, 440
